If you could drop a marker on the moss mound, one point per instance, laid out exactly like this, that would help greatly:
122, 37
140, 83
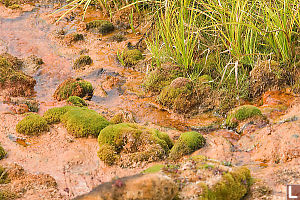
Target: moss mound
100, 26
76, 101
2, 152
74, 87
241, 113
131, 57
82, 122
73, 37
119, 37
131, 143
107, 154
82, 61
33, 124
266, 76
179, 99
13, 81
161, 77
53, 115
233, 185
187, 143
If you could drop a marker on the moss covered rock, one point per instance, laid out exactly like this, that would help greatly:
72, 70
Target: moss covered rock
82, 122
130, 57
53, 115
233, 185
161, 77
241, 113
76, 101
187, 143
13, 81
82, 61
100, 26
267, 75
131, 143
2, 152
119, 37
122, 117
33, 124
208, 179
73, 37
179, 96
74, 87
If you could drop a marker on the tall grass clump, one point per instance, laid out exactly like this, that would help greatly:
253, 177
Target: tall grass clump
224, 39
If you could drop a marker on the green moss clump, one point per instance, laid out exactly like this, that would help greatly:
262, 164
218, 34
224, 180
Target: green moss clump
117, 119
2, 152
233, 186
137, 142
100, 26
153, 169
179, 96
241, 113
161, 77
119, 37
82, 122
74, 87
12, 79
187, 143
268, 75
53, 115
74, 37
76, 101
82, 61
33, 124
107, 154
131, 57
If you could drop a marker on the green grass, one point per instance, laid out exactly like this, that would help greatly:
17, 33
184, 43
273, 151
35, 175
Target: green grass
223, 39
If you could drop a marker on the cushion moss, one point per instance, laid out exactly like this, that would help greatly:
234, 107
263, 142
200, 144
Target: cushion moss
53, 115
74, 87
161, 77
233, 185
33, 124
107, 154
13, 79
137, 142
131, 57
187, 143
82, 122
100, 26
241, 113
82, 61
76, 101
